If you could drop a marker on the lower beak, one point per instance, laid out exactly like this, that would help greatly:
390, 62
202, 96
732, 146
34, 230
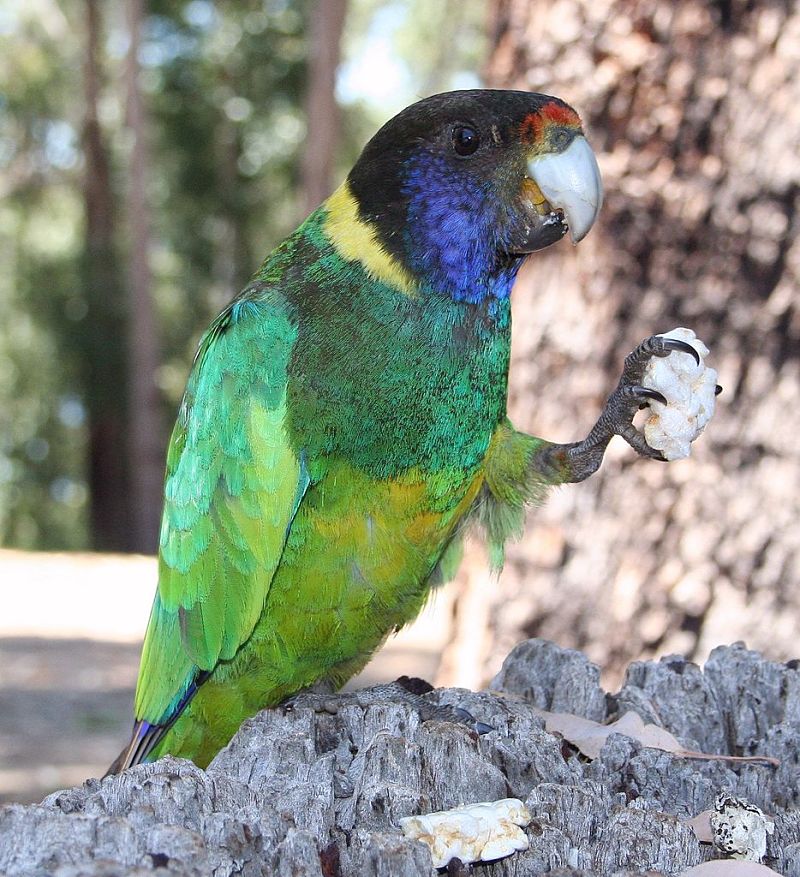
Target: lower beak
570, 181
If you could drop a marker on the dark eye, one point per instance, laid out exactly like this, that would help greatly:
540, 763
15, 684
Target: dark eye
561, 139
465, 140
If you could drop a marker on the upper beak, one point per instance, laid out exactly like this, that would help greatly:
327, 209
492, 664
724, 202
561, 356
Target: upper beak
570, 181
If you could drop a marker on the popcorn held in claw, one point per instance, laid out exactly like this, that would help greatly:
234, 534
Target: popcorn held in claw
474, 833
739, 828
690, 391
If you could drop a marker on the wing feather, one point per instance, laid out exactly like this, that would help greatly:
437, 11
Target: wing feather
233, 487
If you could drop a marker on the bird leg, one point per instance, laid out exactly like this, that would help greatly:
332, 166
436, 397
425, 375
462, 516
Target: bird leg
576, 461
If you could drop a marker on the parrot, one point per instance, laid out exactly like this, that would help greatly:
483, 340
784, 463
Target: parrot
344, 420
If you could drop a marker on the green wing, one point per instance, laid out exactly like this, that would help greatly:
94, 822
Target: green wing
233, 486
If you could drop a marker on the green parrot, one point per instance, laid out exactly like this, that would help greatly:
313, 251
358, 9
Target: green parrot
345, 416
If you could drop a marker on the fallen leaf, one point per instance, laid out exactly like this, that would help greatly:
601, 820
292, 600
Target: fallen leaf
590, 737
728, 868
701, 826
766, 760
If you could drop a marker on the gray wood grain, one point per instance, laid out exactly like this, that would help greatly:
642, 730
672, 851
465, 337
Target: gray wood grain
316, 790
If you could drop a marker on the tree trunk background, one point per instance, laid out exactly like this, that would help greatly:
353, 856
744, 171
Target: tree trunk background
322, 110
694, 110
105, 322
146, 444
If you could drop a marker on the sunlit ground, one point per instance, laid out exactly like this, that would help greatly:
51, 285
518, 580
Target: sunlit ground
70, 631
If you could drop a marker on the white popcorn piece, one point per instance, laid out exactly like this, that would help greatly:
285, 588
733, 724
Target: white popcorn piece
473, 833
690, 391
740, 829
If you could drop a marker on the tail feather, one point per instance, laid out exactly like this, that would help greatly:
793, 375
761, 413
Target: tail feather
146, 736
144, 739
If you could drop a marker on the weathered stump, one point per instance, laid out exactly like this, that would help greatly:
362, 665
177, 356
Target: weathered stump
316, 790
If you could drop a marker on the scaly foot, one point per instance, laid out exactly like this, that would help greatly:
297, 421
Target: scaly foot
403, 690
576, 461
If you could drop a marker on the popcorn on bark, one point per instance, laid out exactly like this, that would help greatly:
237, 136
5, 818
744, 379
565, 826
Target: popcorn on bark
474, 833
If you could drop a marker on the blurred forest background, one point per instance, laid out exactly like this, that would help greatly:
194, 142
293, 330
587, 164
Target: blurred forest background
151, 153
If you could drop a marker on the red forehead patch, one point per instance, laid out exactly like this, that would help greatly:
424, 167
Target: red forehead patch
551, 113
560, 114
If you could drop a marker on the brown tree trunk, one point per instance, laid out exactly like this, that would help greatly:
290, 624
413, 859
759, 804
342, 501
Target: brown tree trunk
233, 260
693, 108
104, 325
145, 437
322, 110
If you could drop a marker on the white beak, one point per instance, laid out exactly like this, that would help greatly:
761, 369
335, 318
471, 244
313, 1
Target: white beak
570, 181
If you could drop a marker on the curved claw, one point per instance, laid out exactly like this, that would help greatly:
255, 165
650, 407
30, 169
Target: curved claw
636, 390
682, 347
466, 717
637, 441
463, 715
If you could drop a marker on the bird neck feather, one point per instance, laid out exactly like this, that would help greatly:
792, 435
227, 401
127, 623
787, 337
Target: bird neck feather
357, 241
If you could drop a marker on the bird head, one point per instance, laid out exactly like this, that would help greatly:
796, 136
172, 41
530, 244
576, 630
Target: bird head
461, 187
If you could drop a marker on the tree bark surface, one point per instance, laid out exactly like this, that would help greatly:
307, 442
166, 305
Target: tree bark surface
694, 110
318, 789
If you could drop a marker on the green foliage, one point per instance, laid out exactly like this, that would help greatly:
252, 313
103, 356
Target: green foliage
42, 492
225, 85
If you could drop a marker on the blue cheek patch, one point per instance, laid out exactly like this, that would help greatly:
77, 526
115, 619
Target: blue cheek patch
454, 232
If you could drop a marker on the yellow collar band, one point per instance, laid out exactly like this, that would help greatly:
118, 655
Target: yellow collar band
357, 241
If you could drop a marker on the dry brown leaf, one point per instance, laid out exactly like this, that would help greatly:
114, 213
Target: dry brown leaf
590, 737
728, 868
701, 826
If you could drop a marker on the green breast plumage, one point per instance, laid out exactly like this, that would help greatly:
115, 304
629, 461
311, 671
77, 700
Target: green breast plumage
390, 383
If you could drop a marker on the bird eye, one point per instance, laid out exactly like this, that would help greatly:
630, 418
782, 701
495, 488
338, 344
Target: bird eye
561, 139
465, 140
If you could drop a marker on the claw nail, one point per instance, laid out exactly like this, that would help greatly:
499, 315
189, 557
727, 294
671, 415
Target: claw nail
636, 390
682, 347
464, 716
468, 719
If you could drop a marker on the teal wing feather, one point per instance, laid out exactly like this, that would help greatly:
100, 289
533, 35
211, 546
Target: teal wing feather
233, 486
